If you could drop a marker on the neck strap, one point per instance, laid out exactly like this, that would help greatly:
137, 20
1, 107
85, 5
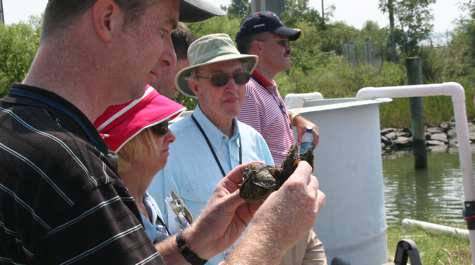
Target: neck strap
56, 105
212, 149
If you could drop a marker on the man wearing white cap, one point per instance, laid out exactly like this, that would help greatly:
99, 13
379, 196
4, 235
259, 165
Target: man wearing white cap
62, 201
211, 142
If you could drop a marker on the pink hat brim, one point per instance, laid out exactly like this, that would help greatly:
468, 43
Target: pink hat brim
120, 123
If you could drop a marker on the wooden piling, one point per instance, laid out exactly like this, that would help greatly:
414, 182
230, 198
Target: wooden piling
414, 77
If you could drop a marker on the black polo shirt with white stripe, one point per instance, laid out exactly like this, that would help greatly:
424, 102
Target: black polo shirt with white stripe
61, 199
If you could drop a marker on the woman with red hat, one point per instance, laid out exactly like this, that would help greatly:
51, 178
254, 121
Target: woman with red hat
138, 132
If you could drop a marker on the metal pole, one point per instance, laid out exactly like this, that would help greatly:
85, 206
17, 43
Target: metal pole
323, 15
2, 17
393, 48
414, 77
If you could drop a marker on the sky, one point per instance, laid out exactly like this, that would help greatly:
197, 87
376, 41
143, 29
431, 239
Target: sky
353, 12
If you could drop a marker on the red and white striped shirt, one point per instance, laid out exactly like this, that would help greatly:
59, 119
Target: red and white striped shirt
265, 111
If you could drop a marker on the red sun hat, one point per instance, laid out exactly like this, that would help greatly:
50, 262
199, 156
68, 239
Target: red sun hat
120, 123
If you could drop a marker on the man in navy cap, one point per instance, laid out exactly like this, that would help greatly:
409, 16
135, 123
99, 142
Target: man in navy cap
264, 35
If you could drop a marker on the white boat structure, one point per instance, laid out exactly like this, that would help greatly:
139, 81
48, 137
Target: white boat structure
349, 167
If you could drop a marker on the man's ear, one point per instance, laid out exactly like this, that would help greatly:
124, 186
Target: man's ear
194, 87
106, 16
257, 47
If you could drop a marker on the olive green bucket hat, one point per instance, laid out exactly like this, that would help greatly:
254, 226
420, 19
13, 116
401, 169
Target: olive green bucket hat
213, 48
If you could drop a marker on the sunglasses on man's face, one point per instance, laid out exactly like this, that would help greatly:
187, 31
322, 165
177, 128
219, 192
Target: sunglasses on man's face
219, 80
161, 129
283, 42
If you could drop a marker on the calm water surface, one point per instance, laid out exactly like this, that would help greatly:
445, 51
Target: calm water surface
433, 193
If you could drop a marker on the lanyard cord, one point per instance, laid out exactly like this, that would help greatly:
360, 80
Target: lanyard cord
211, 147
54, 104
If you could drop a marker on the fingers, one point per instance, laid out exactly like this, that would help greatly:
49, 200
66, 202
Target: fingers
236, 174
232, 201
316, 136
302, 173
299, 135
255, 206
321, 199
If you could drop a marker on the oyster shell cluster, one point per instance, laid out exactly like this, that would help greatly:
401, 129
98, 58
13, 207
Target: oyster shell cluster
259, 181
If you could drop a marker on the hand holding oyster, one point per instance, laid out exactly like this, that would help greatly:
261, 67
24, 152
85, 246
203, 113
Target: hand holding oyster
259, 181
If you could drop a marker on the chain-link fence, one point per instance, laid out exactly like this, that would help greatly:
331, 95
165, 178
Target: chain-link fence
364, 52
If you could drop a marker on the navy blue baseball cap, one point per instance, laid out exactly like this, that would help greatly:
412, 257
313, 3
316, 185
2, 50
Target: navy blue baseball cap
266, 21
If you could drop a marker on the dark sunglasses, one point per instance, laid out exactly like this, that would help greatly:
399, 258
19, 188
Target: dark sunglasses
219, 80
161, 129
284, 42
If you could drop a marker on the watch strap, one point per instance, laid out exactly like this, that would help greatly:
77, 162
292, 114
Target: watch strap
186, 251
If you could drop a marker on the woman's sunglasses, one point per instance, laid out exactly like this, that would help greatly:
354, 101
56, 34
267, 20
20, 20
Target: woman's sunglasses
161, 129
219, 80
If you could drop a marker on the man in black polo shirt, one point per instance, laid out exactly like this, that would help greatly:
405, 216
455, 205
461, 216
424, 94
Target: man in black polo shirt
61, 199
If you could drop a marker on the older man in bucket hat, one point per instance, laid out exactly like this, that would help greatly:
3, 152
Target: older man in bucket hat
210, 142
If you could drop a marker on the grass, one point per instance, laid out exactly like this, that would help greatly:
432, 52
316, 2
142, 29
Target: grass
434, 248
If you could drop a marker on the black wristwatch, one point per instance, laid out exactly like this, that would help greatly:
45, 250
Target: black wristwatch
186, 251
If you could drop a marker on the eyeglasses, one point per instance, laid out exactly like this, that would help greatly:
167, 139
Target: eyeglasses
161, 129
284, 42
219, 80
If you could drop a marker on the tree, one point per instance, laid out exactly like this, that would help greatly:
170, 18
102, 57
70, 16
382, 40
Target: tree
240, 8
410, 22
297, 11
465, 31
18, 46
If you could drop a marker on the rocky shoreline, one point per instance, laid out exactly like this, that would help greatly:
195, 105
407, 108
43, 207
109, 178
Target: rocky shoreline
444, 135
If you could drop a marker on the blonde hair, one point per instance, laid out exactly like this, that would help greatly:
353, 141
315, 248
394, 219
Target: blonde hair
136, 148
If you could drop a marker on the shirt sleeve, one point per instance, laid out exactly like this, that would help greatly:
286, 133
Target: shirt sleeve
315, 253
101, 229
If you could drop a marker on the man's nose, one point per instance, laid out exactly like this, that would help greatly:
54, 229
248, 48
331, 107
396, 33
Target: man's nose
231, 85
168, 57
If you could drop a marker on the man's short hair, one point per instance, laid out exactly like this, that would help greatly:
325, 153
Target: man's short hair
182, 38
136, 148
244, 44
61, 14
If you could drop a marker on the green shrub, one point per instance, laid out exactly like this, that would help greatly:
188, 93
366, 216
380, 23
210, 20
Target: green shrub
18, 46
317, 63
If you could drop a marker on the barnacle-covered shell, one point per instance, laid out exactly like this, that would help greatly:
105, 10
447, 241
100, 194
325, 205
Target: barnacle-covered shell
259, 181
290, 163
308, 156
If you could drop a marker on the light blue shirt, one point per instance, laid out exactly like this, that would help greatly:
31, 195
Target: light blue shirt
192, 171
153, 228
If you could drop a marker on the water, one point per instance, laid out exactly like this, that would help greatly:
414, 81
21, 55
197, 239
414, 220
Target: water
425, 195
